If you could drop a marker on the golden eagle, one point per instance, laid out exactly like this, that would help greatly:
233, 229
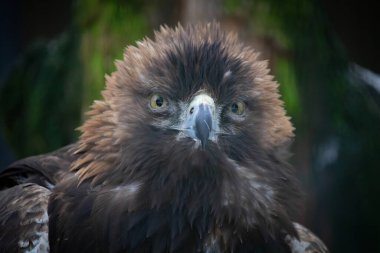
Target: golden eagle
185, 153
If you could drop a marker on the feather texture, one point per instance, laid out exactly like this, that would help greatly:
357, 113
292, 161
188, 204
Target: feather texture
135, 182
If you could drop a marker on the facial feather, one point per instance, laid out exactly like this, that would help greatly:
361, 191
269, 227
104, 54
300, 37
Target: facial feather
241, 178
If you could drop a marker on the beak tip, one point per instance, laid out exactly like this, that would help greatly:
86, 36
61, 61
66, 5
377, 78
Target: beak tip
203, 144
203, 126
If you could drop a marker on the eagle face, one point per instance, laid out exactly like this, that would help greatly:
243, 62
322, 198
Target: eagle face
191, 124
198, 120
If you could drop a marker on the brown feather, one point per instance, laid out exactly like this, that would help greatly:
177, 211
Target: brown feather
110, 115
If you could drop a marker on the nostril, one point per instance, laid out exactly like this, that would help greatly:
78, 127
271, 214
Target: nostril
191, 110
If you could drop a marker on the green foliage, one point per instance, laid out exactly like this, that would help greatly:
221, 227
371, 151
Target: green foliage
40, 102
53, 83
286, 75
106, 27
231, 6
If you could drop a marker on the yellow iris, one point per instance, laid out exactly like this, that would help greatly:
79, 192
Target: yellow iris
157, 101
237, 108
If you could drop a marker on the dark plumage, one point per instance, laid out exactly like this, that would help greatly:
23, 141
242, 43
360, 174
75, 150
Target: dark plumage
185, 153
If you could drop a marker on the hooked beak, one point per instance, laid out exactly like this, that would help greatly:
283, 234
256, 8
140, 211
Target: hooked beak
200, 120
203, 123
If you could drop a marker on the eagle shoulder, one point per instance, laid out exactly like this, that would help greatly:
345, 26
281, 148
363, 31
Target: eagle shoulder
44, 170
306, 243
25, 188
24, 219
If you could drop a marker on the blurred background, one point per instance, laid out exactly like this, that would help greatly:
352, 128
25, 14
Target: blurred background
325, 54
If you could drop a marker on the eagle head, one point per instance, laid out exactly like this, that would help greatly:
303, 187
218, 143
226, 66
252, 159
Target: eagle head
192, 122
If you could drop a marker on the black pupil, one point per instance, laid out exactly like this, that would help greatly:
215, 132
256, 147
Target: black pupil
159, 101
234, 108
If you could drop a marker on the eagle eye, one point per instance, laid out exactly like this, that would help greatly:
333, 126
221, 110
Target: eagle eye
237, 108
157, 102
